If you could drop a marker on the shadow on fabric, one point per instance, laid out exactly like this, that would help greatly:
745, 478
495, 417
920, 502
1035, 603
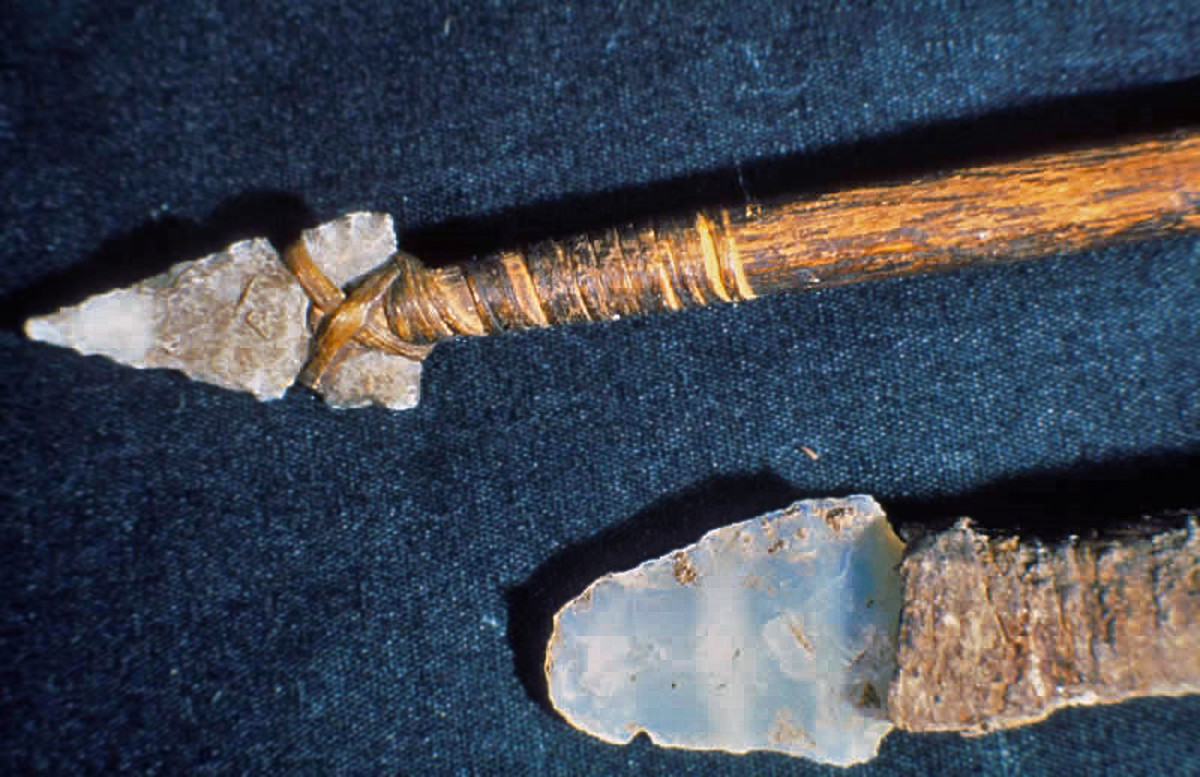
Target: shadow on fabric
1034, 128
154, 246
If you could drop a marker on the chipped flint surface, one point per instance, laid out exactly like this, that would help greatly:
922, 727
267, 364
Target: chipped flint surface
349, 247
777, 633
237, 319
234, 319
346, 249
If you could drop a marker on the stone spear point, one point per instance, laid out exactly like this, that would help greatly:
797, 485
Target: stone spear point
814, 632
239, 319
345, 313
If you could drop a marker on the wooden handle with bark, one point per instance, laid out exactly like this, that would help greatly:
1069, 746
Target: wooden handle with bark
1057, 202
996, 633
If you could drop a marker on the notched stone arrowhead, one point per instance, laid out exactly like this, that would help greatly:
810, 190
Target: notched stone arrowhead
238, 319
777, 633
234, 319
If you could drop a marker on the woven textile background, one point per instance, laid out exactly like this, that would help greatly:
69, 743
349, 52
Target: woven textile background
196, 583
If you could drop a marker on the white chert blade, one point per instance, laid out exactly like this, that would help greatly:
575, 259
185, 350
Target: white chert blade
238, 319
777, 633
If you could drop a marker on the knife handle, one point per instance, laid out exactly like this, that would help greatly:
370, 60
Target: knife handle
996, 633
1059, 202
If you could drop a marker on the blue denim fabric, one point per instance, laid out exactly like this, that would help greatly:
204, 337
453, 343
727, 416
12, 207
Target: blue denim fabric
195, 583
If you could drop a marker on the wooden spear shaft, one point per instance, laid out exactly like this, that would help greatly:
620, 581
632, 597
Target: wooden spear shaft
1028, 208
1053, 203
